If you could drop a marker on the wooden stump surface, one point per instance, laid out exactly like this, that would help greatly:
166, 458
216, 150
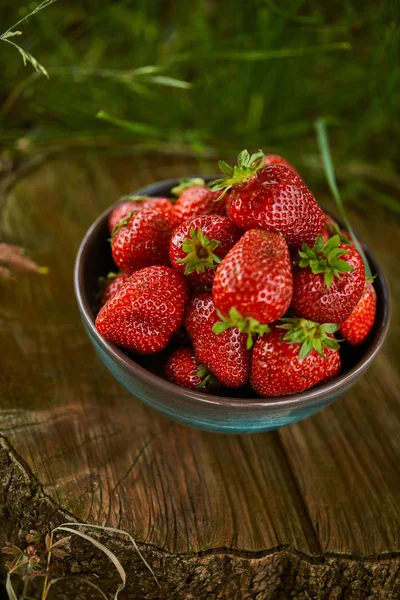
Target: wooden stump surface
314, 506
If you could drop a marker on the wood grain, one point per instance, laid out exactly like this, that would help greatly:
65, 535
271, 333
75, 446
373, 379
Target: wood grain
326, 487
346, 459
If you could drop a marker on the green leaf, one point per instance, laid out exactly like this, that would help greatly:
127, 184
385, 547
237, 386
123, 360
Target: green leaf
330, 176
170, 82
246, 167
249, 342
329, 327
220, 327
243, 158
306, 348
328, 278
331, 343
336, 253
225, 168
317, 346
332, 243
342, 266
202, 371
187, 182
319, 244
305, 262
140, 128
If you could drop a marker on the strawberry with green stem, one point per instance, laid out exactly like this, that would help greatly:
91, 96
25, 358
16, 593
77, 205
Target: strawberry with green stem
273, 198
275, 159
293, 357
133, 204
332, 228
198, 246
253, 284
142, 240
196, 198
109, 285
225, 355
184, 369
328, 281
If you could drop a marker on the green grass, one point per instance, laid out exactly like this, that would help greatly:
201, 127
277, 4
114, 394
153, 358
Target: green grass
213, 78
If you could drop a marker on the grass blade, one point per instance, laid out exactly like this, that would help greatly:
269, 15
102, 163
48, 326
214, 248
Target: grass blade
89, 583
171, 82
260, 55
41, 6
331, 178
121, 532
100, 546
10, 588
139, 128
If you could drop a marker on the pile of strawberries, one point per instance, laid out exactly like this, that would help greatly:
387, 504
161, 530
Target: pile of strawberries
246, 281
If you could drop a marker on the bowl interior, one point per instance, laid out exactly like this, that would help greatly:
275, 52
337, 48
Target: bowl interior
94, 260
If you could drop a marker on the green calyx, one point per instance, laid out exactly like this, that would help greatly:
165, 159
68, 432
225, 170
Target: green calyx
103, 282
247, 325
208, 380
325, 259
187, 183
199, 252
311, 336
121, 224
133, 198
334, 229
247, 166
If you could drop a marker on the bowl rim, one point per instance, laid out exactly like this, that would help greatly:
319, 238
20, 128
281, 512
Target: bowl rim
332, 388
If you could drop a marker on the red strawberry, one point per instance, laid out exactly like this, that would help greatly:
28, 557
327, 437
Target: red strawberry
143, 241
110, 284
274, 159
273, 198
133, 205
225, 355
143, 314
332, 228
328, 281
195, 199
253, 284
184, 369
358, 325
198, 245
293, 357
334, 364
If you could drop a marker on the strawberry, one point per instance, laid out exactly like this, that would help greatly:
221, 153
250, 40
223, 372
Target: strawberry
143, 314
293, 357
274, 159
110, 284
199, 244
142, 240
253, 284
358, 325
332, 228
225, 355
328, 281
132, 205
195, 199
273, 198
184, 369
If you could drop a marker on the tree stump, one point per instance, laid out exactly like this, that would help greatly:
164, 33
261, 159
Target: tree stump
311, 511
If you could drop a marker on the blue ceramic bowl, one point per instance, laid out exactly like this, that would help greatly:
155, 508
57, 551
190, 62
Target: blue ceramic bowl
213, 413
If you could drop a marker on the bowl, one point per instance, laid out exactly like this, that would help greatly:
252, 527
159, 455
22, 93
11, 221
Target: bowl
196, 409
